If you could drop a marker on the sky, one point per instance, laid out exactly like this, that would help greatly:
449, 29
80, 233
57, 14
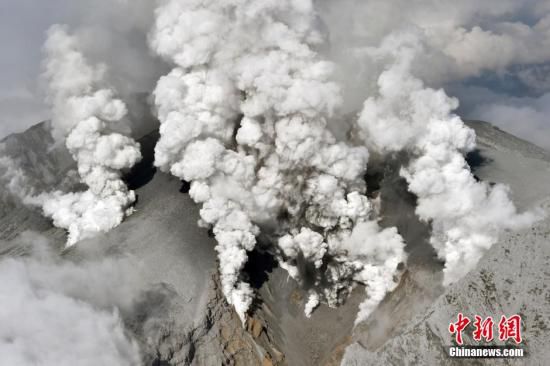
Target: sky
22, 32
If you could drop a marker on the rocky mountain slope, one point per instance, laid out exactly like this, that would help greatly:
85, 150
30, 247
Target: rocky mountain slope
512, 277
178, 315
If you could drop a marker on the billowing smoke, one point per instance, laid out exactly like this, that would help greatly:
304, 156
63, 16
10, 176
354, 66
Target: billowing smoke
466, 215
244, 117
498, 46
251, 115
89, 118
12, 176
57, 312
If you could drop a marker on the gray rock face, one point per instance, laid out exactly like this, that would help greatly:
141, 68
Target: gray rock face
35, 162
513, 277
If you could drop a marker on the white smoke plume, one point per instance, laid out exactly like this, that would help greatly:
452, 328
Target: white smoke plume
244, 118
56, 312
13, 177
90, 120
466, 216
249, 115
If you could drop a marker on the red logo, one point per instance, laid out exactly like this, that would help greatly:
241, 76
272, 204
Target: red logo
510, 328
507, 328
458, 327
484, 329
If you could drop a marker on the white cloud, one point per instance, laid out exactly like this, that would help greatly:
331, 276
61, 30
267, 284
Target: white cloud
460, 39
56, 312
528, 118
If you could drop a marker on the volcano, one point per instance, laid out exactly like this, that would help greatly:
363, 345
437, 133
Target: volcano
178, 315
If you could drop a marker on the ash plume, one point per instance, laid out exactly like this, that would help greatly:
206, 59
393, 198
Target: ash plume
251, 104
466, 216
251, 68
89, 119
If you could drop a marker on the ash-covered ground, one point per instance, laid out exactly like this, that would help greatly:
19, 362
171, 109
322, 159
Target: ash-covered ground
159, 270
